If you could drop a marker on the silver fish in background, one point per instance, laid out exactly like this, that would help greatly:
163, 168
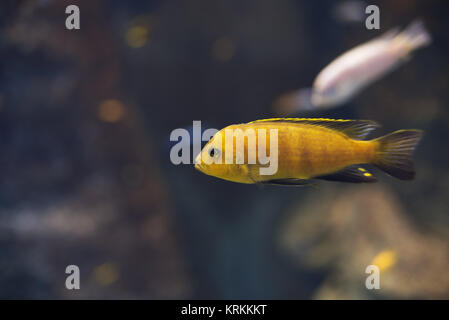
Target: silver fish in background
354, 70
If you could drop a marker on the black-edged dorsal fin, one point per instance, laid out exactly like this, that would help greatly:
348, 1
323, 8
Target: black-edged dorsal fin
355, 129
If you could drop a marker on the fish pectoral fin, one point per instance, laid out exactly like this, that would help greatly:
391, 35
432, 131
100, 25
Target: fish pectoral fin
354, 174
288, 182
249, 171
355, 129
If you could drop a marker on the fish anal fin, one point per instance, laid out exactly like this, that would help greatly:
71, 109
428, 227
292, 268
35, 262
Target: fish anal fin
355, 129
353, 174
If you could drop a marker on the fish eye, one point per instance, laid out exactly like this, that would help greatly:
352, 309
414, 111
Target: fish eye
214, 152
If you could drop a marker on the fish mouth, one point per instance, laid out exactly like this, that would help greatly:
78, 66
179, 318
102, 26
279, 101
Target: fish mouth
198, 167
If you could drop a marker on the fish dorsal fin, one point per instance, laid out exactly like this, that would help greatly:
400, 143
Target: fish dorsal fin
355, 129
354, 174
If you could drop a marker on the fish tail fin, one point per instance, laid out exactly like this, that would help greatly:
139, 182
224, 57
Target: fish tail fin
395, 152
415, 36
295, 101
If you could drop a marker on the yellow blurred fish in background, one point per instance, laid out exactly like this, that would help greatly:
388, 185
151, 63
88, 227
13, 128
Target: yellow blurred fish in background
310, 149
354, 70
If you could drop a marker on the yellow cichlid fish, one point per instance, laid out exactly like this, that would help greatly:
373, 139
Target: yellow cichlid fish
307, 149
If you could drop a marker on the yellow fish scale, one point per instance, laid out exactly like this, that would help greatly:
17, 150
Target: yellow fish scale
307, 150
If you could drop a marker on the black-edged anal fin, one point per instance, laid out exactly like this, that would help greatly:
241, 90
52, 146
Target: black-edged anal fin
355, 129
354, 174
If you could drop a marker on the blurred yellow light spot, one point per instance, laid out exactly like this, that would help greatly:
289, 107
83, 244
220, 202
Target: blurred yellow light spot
367, 174
385, 259
223, 49
111, 111
361, 169
106, 274
137, 36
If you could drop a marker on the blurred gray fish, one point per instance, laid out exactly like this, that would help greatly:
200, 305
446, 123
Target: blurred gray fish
354, 70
